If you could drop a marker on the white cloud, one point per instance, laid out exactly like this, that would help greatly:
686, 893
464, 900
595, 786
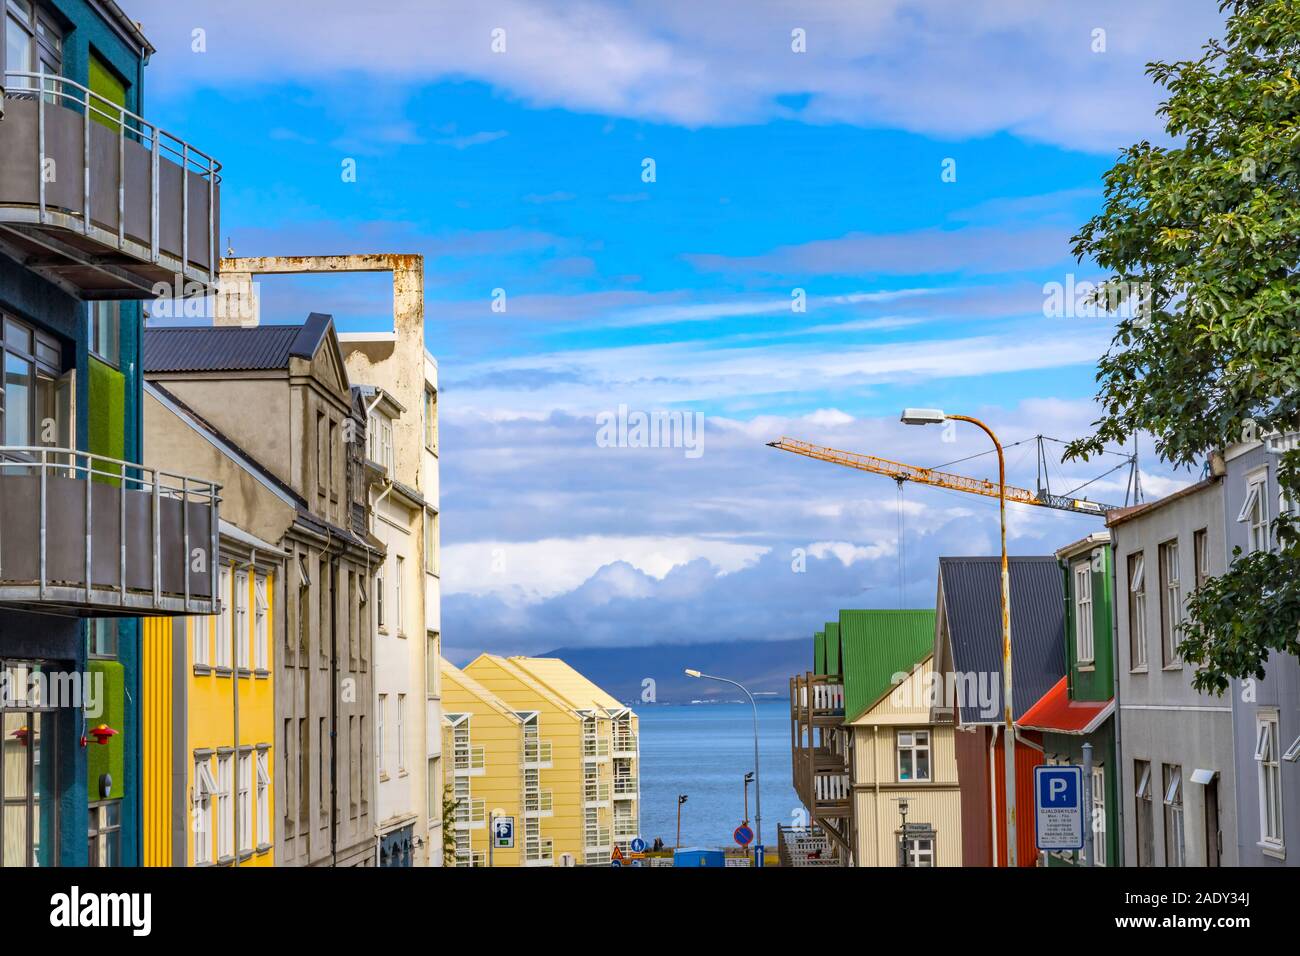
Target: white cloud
849, 553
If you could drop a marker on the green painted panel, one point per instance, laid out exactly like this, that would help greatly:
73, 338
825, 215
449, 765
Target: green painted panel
107, 413
107, 758
876, 645
833, 663
819, 653
106, 83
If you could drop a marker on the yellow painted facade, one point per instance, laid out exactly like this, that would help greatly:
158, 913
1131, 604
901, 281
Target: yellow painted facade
586, 797
483, 742
210, 705
885, 741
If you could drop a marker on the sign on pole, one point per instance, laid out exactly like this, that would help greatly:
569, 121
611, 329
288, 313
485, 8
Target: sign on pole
638, 845
743, 835
503, 833
1058, 807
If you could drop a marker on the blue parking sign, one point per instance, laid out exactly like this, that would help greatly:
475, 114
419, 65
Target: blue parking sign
1058, 807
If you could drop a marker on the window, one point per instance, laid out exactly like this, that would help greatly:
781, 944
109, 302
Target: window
1137, 611
261, 647
105, 331
104, 840
1201, 556
330, 458
379, 599
241, 620
431, 420
304, 774
322, 765
1083, 612
103, 637
355, 767
1174, 844
33, 44
380, 716
431, 790
35, 401
1269, 772
401, 733
225, 807
917, 851
1254, 512
1171, 604
431, 542
264, 797
245, 802
1145, 817
365, 776
913, 755
225, 621
322, 454
380, 435
398, 604
205, 788
1099, 815
432, 663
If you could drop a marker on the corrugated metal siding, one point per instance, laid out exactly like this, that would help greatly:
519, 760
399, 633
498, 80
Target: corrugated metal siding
833, 656
156, 740
971, 748
876, 646
225, 349
972, 595
819, 652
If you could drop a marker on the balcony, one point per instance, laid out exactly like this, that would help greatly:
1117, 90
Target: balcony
817, 699
539, 852
538, 803
595, 748
99, 200
537, 753
594, 793
597, 838
822, 783
625, 788
468, 761
82, 535
625, 744
625, 828
470, 815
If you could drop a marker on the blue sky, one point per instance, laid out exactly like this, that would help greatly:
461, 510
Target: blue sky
775, 170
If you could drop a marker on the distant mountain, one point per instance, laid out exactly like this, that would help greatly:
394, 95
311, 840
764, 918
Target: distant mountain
762, 666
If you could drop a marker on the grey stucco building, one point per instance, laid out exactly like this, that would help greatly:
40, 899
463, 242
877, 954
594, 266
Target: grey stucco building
1266, 713
1176, 765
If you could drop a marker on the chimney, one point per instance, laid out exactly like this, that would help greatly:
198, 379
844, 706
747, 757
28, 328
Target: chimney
236, 302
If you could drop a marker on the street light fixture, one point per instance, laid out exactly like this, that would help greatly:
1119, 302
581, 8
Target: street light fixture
681, 798
935, 416
758, 792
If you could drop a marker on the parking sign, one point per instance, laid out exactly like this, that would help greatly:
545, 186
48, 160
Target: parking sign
1058, 805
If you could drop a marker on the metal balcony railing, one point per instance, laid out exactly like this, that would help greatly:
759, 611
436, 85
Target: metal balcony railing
625, 788
595, 793
539, 851
469, 760
537, 752
624, 829
539, 801
81, 175
595, 747
625, 744
471, 814
596, 838
90, 536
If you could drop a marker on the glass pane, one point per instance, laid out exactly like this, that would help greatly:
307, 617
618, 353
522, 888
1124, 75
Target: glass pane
18, 389
18, 52
18, 337
45, 788
15, 738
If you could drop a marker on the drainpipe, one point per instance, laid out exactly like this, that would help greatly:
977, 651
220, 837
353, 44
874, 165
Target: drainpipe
875, 776
993, 792
1118, 774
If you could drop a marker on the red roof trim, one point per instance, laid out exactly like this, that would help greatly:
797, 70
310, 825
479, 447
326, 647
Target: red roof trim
1056, 713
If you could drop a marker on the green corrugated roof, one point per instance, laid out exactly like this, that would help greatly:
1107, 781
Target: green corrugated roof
833, 662
819, 653
876, 646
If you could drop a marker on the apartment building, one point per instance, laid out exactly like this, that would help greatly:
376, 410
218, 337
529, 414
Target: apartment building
968, 658
293, 481
581, 766
1080, 707
97, 205
208, 725
877, 774
484, 740
1176, 770
1265, 712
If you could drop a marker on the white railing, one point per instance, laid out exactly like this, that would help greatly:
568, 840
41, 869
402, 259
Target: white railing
469, 759
595, 746
595, 792
832, 787
53, 470
539, 851
597, 838
537, 751
55, 90
539, 801
625, 743
471, 813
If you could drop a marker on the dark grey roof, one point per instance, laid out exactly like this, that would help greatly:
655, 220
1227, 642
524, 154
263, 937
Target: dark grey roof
232, 348
972, 590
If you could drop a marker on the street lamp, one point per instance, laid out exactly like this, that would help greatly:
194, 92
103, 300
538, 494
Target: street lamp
758, 789
902, 811
681, 798
749, 778
935, 416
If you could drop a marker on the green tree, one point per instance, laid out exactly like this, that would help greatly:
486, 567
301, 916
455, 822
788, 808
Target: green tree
1209, 232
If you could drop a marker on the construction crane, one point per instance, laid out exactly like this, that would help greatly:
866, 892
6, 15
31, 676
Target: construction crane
901, 472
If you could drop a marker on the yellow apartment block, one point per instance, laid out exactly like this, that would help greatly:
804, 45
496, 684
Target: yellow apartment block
581, 765
484, 775
209, 720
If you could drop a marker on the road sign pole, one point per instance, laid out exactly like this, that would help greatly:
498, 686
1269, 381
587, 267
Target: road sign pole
492, 835
1088, 851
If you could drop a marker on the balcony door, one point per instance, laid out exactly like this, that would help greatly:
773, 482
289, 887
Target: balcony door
28, 768
36, 400
33, 44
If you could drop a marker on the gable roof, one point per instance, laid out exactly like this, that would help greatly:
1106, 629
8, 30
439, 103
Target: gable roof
1056, 713
510, 667
877, 645
232, 348
970, 603
475, 689
566, 682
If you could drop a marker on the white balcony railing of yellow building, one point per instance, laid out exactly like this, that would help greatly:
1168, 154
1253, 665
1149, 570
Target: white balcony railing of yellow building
471, 814
625, 744
595, 747
597, 838
625, 788
90, 536
469, 760
537, 851
537, 753
595, 793
539, 803
625, 828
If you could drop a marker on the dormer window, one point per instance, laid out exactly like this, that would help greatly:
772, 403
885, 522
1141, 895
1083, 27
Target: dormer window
380, 439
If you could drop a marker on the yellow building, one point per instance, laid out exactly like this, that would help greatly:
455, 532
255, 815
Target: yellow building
208, 725
485, 742
581, 772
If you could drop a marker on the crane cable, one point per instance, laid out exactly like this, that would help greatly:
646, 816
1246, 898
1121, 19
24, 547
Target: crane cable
902, 561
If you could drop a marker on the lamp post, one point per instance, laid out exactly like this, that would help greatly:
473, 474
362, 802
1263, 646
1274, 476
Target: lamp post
902, 811
681, 798
933, 416
492, 830
749, 777
758, 787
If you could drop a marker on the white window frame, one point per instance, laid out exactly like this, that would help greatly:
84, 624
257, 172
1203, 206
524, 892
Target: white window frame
1171, 584
1137, 594
1175, 855
381, 730
201, 631
261, 645
1099, 815
917, 856
245, 798
225, 807
263, 797
379, 600
401, 733
1085, 651
204, 789
1269, 780
1254, 511
399, 572
241, 620
914, 743
225, 623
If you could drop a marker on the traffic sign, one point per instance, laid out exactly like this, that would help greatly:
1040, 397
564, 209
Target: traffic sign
616, 857
503, 833
638, 845
1058, 806
743, 835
